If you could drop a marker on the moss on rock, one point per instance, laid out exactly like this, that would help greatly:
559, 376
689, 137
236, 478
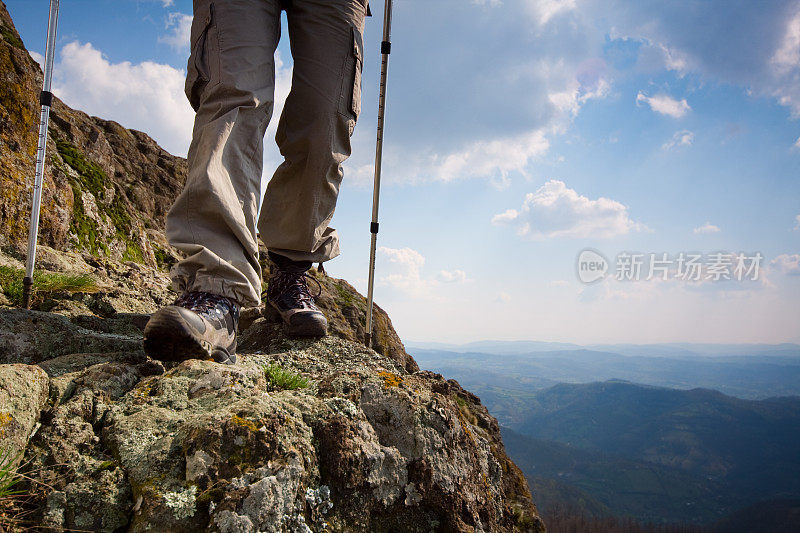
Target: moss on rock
92, 179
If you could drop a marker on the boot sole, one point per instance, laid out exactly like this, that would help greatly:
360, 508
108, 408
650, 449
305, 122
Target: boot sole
298, 324
168, 338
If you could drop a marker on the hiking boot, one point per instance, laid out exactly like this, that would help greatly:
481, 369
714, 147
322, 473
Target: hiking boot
288, 294
199, 325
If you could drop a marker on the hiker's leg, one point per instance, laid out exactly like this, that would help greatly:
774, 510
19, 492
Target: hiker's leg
230, 83
315, 128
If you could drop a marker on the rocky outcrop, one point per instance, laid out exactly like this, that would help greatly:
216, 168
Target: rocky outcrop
301, 435
129, 292
106, 188
23, 397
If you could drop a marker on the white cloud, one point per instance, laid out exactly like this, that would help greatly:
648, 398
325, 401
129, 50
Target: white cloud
708, 227
495, 122
408, 257
680, 138
283, 83
497, 158
796, 143
39, 58
664, 104
494, 158
555, 210
673, 59
179, 26
145, 96
797, 223
406, 276
454, 276
545, 10
787, 264
571, 99
503, 297
490, 3
756, 46
787, 56
559, 283
509, 215
167, 3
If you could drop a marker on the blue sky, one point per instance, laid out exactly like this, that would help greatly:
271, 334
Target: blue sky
519, 133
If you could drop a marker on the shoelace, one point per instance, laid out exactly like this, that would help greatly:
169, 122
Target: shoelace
295, 284
204, 302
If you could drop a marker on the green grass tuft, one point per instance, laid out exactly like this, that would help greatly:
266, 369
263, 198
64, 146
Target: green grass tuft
11, 38
343, 296
163, 259
92, 179
8, 474
280, 378
45, 284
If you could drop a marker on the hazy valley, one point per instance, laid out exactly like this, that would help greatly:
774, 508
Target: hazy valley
664, 434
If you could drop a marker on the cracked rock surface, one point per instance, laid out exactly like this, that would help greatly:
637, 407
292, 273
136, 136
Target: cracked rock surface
366, 442
298, 436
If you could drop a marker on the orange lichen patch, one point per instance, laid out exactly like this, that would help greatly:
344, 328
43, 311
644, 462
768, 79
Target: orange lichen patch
464, 426
486, 486
390, 379
243, 422
141, 392
5, 419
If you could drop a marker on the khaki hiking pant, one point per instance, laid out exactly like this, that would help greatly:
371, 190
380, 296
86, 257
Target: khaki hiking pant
230, 83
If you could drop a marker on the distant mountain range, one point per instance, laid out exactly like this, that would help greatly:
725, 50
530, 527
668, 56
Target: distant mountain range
655, 453
653, 350
598, 484
764, 372
676, 453
749, 446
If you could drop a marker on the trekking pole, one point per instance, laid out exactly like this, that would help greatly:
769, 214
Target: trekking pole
386, 48
46, 100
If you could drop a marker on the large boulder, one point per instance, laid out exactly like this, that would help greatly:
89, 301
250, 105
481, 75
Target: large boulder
106, 188
24, 391
360, 444
299, 435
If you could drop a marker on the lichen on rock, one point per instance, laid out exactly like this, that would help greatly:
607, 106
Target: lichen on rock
128, 443
122, 442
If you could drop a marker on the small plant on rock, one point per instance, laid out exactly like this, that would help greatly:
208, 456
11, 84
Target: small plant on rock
280, 378
45, 284
9, 478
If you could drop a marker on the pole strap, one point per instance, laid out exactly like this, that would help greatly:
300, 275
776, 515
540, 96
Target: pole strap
46, 98
386, 47
373, 227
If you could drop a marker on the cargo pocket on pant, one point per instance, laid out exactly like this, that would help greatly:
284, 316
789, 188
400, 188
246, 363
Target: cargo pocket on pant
350, 100
197, 69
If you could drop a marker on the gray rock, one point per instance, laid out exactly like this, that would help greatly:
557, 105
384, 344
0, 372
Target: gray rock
23, 394
365, 446
34, 336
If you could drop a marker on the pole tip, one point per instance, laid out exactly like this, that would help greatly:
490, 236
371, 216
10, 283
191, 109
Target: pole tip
27, 284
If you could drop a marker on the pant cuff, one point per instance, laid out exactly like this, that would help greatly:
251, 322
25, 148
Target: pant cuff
242, 294
315, 257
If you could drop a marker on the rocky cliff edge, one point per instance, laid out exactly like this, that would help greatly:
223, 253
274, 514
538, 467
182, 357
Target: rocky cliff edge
300, 435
